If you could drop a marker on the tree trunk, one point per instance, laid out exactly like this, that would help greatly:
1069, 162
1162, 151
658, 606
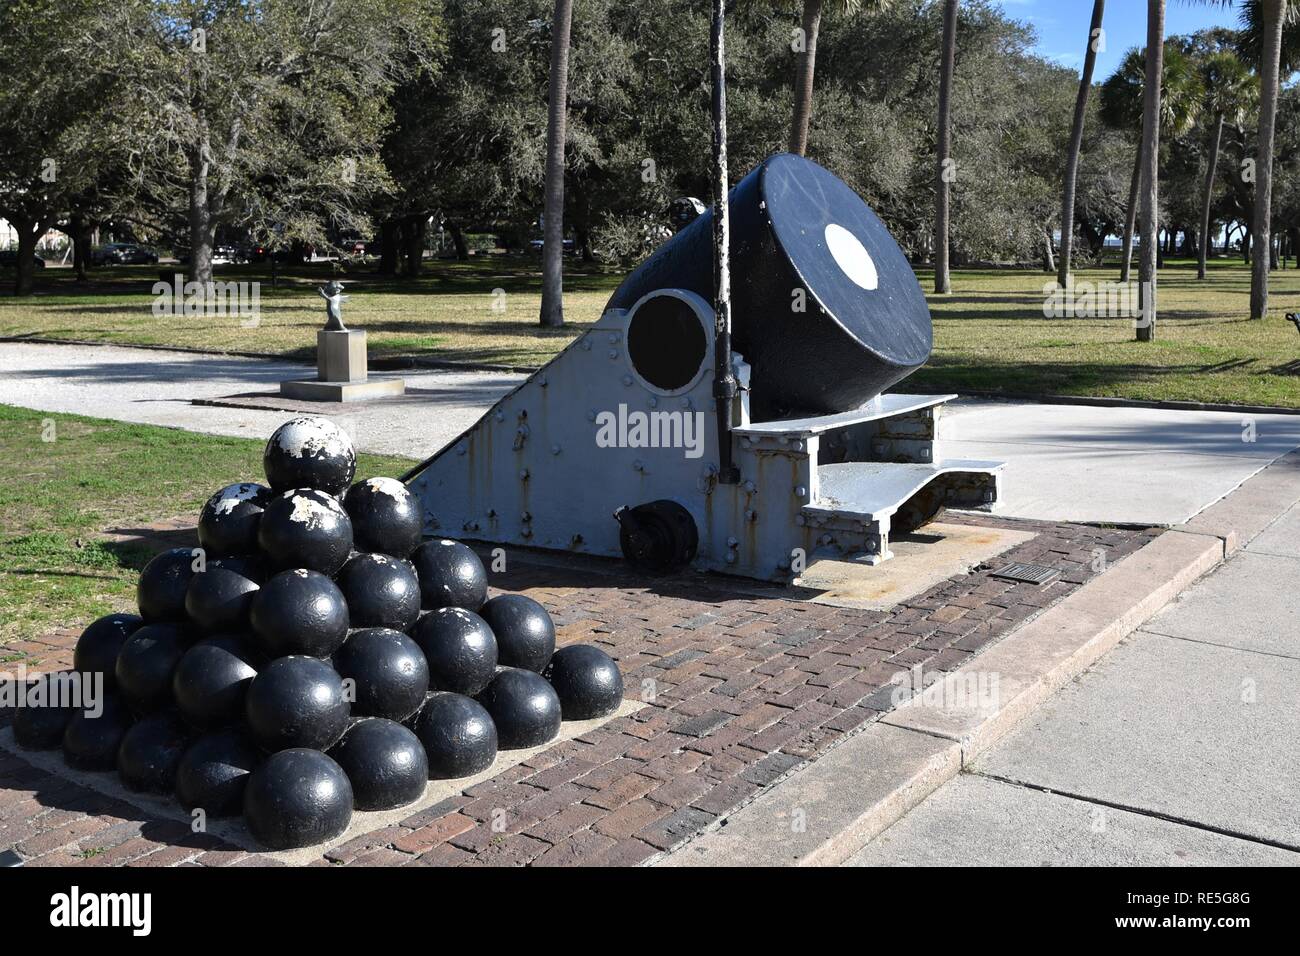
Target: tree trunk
80, 245
388, 247
553, 239
1269, 67
803, 78
202, 229
1049, 261
1150, 215
942, 281
1076, 142
458, 241
413, 232
1130, 218
29, 230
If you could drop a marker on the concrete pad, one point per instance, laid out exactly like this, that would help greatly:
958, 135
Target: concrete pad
1228, 434
1251, 603
823, 814
981, 701
1130, 465
921, 560
1172, 727
232, 829
1281, 538
975, 821
1099, 484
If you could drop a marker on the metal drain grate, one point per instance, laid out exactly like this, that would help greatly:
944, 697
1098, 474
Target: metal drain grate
1028, 573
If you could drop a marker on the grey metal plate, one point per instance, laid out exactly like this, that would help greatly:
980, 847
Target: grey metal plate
1027, 573
882, 406
867, 489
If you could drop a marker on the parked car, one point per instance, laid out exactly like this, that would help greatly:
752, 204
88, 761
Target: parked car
122, 253
9, 260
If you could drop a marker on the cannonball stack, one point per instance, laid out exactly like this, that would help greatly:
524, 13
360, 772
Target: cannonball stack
314, 657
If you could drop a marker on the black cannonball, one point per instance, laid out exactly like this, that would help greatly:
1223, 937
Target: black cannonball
381, 591
228, 522
296, 702
210, 682
151, 752
458, 735
385, 516
94, 734
587, 681
220, 596
163, 583
524, 707
146, 663
45, 708
460, 649
385, 763
310, 452
99, 645
524, 631
451, 575
305, 528
388, 670
213, 771
297, 798
300, 612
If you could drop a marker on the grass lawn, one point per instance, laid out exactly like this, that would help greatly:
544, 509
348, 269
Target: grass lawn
990, 333
58, 497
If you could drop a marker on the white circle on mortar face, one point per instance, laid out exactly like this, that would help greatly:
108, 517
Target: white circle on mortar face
851, 256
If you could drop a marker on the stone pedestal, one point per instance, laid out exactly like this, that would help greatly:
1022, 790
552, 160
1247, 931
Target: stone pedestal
341, 356
341, 372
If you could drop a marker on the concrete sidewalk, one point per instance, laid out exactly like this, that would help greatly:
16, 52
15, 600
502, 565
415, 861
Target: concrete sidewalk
1178, 748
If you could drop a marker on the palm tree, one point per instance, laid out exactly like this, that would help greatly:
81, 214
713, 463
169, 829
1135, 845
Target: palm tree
803, 79
1076, 142
1268, 26
1122, 104
553, 215
1151, 116
1229, 93
942, 281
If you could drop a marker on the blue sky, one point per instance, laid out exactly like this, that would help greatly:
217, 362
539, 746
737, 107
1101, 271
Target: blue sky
1062, 26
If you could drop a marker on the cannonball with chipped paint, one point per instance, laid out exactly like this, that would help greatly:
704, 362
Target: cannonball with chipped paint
310, 452
229, 520
306, 528
385, 517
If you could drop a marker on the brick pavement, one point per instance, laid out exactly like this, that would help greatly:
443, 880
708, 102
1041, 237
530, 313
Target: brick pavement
742, 689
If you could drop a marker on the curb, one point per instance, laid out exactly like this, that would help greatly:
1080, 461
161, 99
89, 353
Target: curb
826, 812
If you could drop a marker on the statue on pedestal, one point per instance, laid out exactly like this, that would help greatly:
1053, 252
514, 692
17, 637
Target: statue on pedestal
334, 298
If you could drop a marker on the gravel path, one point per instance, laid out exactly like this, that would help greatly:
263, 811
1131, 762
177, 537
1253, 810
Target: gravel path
158, 388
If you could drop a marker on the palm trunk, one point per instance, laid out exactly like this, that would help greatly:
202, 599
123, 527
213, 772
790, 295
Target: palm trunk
1049, 261
553, 240
1268, 70
1208, 196
1076, 143
803, 79
413, 231
1150, 215
80, 246
1130, 217
388, 247
942, 280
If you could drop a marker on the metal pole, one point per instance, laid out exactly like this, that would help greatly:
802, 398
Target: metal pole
724, 381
